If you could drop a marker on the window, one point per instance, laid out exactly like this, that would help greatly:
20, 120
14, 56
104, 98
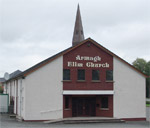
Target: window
66, 74
81, 74
109, 75
104, 102
66, 102
95, 74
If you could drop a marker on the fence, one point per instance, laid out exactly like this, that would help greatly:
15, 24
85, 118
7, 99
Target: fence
4, 102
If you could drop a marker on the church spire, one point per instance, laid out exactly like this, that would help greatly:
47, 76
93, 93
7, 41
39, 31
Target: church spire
78, 34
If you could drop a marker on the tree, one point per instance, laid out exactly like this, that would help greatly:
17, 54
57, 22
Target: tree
1, 89
147, 71
144, 67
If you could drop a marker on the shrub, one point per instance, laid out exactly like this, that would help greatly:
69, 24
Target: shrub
1, 89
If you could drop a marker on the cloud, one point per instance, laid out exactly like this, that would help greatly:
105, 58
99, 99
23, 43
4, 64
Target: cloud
33, 30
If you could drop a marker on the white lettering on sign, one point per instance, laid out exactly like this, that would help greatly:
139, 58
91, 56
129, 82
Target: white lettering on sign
95, 65
88, 64
94, 59
75, 64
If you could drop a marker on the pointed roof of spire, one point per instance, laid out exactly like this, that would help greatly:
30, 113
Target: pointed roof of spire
78, 34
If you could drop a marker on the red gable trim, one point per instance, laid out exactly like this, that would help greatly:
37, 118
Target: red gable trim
34, 68
72, 48
111, 53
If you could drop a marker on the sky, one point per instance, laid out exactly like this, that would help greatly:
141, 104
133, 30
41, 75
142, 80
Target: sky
33, 30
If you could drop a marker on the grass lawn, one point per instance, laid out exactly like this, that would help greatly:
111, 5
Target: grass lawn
147, 103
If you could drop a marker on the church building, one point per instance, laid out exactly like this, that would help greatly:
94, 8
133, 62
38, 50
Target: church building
85, 80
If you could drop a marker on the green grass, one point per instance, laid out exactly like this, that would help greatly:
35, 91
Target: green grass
147, 103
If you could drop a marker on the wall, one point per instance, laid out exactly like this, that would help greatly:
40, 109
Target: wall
9, 88
129, 87
5, 88
90, 50
108, 112
19, 104
18, 95
43, 90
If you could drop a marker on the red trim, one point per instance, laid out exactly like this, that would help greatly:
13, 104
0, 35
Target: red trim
134, 119
42, 65
111, 53
94, 42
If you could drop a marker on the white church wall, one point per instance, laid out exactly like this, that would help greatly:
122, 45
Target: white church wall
20, 98
15, 97
129, 88
43, 91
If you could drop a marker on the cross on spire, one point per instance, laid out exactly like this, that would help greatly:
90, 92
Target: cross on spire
78, 34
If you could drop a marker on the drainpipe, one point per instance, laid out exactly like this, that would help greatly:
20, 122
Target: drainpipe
6, 88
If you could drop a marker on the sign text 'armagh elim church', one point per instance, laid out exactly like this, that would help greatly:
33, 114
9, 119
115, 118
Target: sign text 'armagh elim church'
95, 63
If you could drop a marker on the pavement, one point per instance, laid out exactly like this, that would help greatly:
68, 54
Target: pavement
7, 122
147, 99
148, 114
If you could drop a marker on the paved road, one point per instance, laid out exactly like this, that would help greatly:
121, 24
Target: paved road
148, 113
6, 122
147, 99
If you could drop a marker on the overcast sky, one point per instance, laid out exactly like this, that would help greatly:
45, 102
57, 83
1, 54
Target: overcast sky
33, 30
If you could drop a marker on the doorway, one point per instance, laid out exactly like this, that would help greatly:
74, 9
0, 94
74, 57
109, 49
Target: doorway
83, 106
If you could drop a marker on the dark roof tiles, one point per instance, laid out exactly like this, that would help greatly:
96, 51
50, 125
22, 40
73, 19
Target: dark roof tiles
2, 80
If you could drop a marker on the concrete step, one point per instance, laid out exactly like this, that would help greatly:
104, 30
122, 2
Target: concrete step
12, 115
53, 121
93, 121
18, 118
86, 120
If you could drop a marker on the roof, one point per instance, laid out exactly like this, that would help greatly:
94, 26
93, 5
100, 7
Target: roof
48, 60
2, 80
14, 74
42, 63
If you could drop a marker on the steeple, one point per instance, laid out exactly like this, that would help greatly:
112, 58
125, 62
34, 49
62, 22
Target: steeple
78, 34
